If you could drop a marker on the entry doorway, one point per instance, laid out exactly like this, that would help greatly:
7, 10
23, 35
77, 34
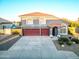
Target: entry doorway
55, 31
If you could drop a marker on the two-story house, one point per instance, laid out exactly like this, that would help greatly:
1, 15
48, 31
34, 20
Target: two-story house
42, 24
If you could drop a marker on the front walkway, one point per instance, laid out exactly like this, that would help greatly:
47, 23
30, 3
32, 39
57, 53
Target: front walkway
36, 47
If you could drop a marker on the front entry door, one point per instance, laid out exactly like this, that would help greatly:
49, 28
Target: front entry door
55, 31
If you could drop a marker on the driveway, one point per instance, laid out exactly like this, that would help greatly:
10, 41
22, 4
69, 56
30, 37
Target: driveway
36, 47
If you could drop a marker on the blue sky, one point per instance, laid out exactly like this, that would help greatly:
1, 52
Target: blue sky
11, 9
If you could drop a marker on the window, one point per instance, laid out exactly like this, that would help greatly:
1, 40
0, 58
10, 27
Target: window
63, 29
23, 22
36, 21
42, 21
29, 21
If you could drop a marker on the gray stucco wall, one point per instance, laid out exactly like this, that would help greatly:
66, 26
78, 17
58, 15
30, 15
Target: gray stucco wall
53, 21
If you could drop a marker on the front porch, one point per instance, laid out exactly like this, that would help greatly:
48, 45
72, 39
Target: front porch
58, 30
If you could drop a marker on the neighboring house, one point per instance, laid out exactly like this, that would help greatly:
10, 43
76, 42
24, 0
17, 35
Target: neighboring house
5, 26
1, 29
17, 23
3, 23
42, 24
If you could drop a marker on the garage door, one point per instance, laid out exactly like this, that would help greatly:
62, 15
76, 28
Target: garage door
31, 32
35, 32
44, 32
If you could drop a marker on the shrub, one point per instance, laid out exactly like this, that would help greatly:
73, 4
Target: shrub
61, 42
69, 32
1, 33
75, 40
15, 32
69, 43
64, 39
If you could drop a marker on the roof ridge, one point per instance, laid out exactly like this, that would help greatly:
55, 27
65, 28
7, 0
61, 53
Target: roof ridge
37, 14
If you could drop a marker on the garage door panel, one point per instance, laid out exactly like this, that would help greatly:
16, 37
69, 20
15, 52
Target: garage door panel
31, 32
44, 32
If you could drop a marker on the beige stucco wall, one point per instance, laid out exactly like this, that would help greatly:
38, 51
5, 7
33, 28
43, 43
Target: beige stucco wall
7, 31
1, 31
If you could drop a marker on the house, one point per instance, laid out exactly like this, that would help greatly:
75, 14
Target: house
7, 27
42, 24
3, 23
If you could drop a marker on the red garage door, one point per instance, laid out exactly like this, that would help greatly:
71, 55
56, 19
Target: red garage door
35, 32
31, 32
44, 32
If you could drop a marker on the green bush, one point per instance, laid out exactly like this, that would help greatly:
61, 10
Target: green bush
61, 42
69, 43
75, 40
64, 39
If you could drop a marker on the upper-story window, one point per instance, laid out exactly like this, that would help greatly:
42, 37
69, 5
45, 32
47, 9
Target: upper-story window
42, 21
29, 21
36, 21
23, 22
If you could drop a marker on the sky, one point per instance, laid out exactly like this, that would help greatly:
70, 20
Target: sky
11, 9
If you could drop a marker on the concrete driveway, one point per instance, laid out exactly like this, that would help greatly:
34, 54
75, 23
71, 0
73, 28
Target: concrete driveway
36, 47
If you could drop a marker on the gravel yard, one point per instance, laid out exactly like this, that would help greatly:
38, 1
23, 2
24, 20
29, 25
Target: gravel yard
74, 47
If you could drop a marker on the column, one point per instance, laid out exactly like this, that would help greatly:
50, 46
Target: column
66, 30
51, 32
58, 32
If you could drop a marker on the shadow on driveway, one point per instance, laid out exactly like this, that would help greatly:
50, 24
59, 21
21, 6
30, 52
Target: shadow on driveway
7, 45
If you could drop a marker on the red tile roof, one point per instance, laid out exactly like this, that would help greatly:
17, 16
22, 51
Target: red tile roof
37, 14
54, 24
